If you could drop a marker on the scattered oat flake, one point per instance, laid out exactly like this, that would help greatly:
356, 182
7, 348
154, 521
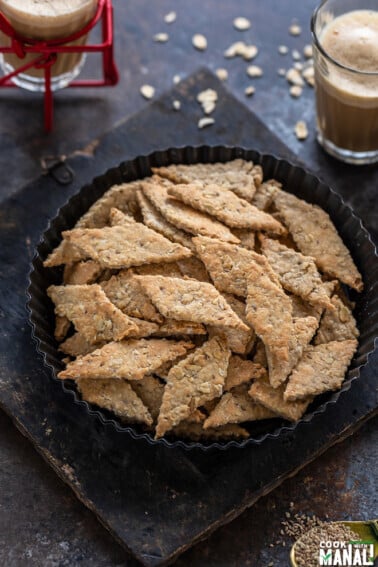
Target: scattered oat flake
307, 51
301, 130
161, 37
281, 71
294, 77
199, 41
283, 49
241, 49
204, 122
222, 74
296, 55
295, 29
254, 71
147, 91
241, 24
176, 79
296, 91
249, 91
298, 66
176, 104
170, 17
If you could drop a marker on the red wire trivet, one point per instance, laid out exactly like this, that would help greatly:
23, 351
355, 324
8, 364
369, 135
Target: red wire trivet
46, 53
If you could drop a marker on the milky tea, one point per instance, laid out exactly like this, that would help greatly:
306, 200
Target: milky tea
346, 80
46, 19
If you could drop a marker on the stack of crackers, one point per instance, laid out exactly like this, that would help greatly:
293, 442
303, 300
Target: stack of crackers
201, 299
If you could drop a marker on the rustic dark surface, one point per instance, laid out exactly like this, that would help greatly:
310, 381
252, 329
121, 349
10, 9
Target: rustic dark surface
41, 523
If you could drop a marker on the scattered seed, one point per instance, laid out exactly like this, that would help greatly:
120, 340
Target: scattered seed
283, 49
207, 100
161, 37
176, 79
254, 71
296, 55
222, 74
170, 17
295, 29
287, 514
147, 91
309, 75
199, 41
176, 104
307, 51
301, 130
242, 24
294, 77
240, 48
281, 72
205, 121
249, 91
298, 66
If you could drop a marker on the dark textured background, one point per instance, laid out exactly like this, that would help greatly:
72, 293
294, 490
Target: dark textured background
41, 523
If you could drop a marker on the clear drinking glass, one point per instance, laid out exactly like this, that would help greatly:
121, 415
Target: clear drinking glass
346, 78
41, 19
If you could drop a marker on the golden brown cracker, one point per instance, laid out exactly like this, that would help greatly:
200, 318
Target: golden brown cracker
122, 197
273, 399
116, 396
81, 272
62, 326
322, 368
123, 246
241, 371
131, 359
150, 391
315, 235
127, 294
182, 216
264, 195
154, 220
194, 268
337, 324
192, 382
297, 273
237, 407
91, 312
190, 300
238, 175
225, 206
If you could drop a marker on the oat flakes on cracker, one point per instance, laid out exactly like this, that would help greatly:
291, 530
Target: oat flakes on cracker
190, 300
241, 370
228, 264
182, 216
154, 220
237, 175
236, 407
336, 324
303, 331
240, 342
122, 197
296, 272
91, 312
130, 359
116, 396
124, 290
123, 246
192, 382
322, 368
150, 391
315, 235
81, 272
225, 206
273, 399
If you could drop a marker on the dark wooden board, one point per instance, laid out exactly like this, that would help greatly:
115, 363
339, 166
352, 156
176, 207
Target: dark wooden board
156, 502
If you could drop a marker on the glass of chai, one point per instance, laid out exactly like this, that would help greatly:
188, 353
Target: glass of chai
46, 19
345, 46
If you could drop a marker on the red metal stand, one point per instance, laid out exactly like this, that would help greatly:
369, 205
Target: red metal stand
46, 53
